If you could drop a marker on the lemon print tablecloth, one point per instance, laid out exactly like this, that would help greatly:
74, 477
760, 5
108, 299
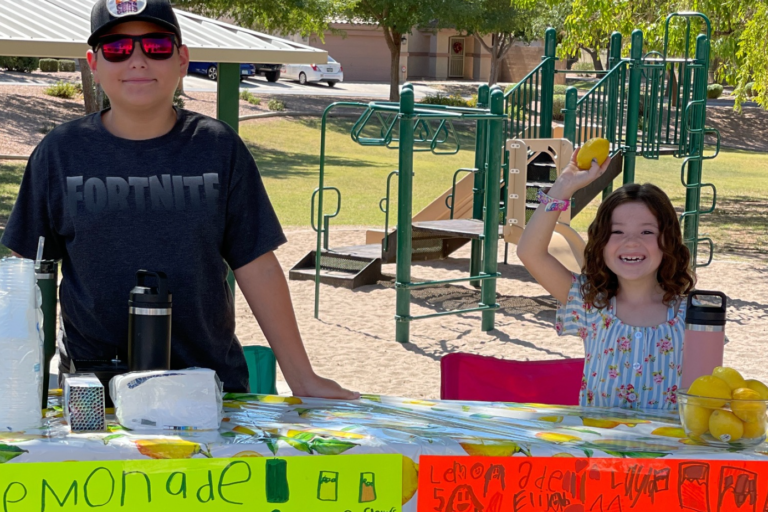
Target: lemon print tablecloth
267, 425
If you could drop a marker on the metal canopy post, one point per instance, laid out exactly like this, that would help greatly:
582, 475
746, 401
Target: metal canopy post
228, 110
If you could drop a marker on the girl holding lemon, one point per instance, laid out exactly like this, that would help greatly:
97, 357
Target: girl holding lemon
627, 304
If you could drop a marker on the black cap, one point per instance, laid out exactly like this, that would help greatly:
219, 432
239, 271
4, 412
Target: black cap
108, 13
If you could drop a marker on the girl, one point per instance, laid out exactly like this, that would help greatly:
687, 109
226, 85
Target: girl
627, 304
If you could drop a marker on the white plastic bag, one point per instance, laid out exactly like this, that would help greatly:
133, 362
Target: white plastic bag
21, 346
188, 399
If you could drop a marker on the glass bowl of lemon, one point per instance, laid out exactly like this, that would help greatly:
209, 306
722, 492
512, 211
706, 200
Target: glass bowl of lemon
724, 409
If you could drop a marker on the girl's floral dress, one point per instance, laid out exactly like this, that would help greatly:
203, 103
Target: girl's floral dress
625, 366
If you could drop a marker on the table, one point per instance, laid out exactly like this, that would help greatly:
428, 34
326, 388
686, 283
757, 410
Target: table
267, 425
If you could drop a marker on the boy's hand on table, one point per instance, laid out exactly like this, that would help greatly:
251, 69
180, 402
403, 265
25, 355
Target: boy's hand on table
320, 387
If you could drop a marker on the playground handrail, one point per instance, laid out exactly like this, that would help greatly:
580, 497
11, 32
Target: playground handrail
320, 189
385, 242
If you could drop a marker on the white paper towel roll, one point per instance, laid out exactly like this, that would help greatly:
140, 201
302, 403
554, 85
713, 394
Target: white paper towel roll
170, 400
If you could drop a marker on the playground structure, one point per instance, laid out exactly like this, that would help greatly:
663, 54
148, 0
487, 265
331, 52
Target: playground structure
648, 104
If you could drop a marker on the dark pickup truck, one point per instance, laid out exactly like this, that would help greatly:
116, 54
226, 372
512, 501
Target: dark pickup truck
271, 71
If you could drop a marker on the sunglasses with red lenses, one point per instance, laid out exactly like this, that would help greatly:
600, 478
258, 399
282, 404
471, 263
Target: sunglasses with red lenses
119, 47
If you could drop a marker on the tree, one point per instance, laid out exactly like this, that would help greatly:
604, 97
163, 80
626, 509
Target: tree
738, 34
395, 18
305, 17
506, 21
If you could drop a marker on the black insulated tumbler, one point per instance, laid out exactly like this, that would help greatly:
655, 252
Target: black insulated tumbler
149, 324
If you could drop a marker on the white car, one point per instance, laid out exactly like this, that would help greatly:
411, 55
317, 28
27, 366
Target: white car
331, 72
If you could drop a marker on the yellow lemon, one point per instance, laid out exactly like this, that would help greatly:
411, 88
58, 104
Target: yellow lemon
599, 423
169, 448
669, 432
759, 387
557, 437
750, 410
725, 426
596, 148
240, 429
711, 387
247, 453
732, 377
492, 448
276, 399
410, 479
696, 419
754, 429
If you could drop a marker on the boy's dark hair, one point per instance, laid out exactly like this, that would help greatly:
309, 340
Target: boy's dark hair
674, 274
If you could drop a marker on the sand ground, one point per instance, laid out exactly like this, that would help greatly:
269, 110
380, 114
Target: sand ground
354, 339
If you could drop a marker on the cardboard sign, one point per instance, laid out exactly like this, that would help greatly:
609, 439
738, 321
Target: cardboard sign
355, 483
523, 484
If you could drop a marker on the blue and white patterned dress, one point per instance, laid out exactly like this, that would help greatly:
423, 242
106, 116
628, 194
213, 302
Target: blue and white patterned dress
625, 366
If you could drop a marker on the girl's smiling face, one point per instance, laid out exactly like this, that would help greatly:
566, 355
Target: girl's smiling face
632, 251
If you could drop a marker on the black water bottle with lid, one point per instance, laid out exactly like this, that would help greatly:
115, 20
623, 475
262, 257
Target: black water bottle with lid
149, 323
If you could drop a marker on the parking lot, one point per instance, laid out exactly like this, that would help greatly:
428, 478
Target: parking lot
259, 85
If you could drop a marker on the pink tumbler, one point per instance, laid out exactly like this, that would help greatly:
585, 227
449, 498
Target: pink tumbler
704, 339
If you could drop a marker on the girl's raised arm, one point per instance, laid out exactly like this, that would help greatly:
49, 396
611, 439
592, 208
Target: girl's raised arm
532, 249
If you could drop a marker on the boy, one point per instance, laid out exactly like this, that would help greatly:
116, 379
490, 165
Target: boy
144, 186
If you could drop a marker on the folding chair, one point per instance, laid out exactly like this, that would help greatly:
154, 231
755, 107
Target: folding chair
473, 377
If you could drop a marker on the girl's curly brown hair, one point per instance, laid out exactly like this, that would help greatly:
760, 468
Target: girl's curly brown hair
674, 274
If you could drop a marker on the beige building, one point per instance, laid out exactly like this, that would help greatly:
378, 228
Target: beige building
424, 54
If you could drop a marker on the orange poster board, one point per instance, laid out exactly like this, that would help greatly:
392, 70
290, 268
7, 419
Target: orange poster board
539, 484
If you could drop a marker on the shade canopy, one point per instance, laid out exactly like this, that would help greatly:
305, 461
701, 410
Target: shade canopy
60, 28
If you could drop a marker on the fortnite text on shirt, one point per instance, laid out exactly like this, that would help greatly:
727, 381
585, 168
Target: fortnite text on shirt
165, 192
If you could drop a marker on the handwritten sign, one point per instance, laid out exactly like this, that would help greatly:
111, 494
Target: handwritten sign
354, 483
523, 484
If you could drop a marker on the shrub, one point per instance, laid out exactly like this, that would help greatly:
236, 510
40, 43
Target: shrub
49, 65
67, 66
524, 90
62, 90
23, 64
454, 100
250, 98
276, 105
558, 104
583, 66
47, 128
560, 89
178, 101
714, 91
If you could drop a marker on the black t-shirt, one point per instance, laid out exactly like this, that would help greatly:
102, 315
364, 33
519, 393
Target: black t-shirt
187, 203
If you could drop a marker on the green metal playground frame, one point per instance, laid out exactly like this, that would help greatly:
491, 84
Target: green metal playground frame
644, 103
398, 123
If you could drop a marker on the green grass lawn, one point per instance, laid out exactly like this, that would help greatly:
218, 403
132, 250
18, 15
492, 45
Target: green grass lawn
10, 179
287, 152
